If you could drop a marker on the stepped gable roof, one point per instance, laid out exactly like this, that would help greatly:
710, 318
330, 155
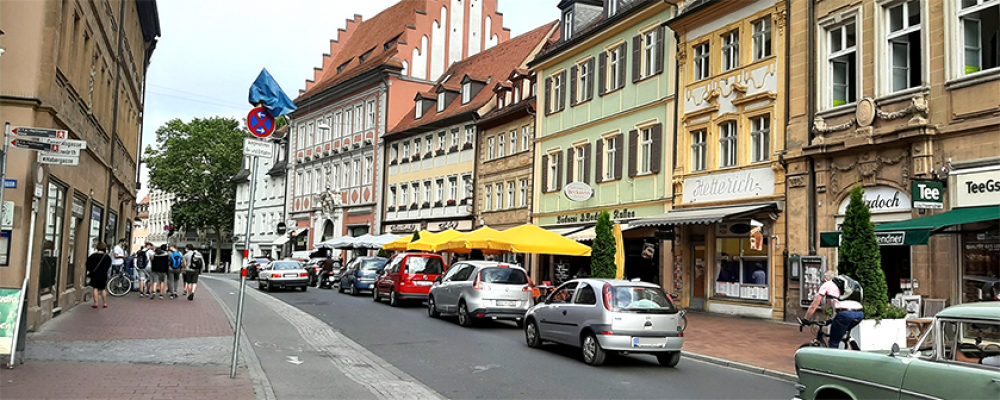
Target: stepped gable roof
490, 66
366, 38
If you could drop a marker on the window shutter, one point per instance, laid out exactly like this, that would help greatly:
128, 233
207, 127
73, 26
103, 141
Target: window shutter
587, 155
570, 163
602, 73
657, 151
660, 54
562, 96
573, 72
548, 96
545, 173
590, 79
633, 153
599, 157
620, 156
636, 58
622, 66
559, 171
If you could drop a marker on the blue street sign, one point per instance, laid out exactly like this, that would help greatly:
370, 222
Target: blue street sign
10, 183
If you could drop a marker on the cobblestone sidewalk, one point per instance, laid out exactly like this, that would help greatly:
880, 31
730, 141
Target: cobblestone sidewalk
767, 345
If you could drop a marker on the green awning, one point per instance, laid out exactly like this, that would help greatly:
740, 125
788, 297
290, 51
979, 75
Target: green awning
917, 231
894, 238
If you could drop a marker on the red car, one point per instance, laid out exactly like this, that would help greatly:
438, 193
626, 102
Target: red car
408, 276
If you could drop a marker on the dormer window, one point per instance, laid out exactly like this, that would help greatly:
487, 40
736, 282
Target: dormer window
344, 66
420, 109
501, 100
466, 92
612, 8
441, 101
567, 25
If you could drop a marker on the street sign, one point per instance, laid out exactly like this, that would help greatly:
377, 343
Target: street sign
58, 150
65, 144
10, 183
24, 131
7, 215
260, 122
58, 160
257, 148
32, 145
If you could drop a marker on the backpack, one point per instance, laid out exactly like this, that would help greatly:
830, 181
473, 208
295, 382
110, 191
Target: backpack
850, 289
140, 259
197, 262
176, 260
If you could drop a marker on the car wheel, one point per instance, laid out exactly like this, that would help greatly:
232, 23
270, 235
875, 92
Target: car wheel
464, 319
669, 359
393, 300
531, 334
432, 308
354, 290
340, 288
593, 354
267, 287
375, 295
260, 285
304, 288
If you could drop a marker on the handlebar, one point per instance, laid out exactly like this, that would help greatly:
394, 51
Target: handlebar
805, 322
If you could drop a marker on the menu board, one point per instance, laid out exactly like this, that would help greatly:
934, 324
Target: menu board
813, 268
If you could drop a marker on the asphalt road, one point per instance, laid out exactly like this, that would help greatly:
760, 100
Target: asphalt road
491, 361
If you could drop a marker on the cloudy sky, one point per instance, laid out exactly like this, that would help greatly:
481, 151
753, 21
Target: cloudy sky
211, 51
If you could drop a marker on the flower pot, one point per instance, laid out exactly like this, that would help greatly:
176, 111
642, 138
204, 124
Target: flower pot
874, 335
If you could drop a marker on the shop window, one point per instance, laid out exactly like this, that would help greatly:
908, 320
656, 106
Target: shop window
55, 211
111, 235
96, 216
903, 45
742, 271
979, 31
981, 264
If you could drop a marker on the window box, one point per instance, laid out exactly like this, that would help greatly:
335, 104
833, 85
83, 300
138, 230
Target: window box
392, 162
414, 206
391, 208
452, 149
425, 205
439, 152
451, 202
467, 146
415, 157
428, 155
437, 204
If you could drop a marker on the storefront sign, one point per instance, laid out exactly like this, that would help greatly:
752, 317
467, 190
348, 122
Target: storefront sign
592, 216
403, 228
9, 308
460, 225
890, 238
976, 189
578, 191
739, 185
882, 200
928, 195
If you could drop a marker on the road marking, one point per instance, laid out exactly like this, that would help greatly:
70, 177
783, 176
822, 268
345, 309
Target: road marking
294, 360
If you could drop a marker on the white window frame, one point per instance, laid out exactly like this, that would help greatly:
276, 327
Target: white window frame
553, 171
442, 138
649, 52
356, 175
392, 196
557, 91
369, 166
699, 150
728, 144
440, 101
501, 146
470, 134
427, 192
406, 152
466, 92
900, 37
583, 86
510, 195
612, 7
429, 144
338, 124
499, 195
960, 63
730, 50
419, 109
371, 114
579, 162
524, 193
567, 25
405, 192
347, 174
702, 59
490, 148
645, 161
760, 138
513, 141
439, 190
610, 158
454, 138
614, 57
488, 198
525, 138
762, 39
453, 188
826, 86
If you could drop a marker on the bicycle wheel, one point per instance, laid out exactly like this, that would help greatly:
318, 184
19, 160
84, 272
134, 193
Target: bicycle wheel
119, 285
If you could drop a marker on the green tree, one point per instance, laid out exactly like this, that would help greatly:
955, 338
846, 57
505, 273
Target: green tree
859, 256
602, 256
194, 161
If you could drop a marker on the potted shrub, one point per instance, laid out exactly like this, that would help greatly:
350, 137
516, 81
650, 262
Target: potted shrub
602, 258
451, 202
859, 258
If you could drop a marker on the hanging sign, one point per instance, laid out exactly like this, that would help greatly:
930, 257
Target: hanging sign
260, 122
578, 191
928, 195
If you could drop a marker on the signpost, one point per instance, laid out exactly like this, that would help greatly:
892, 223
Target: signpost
24, 131
33, 145
58, 160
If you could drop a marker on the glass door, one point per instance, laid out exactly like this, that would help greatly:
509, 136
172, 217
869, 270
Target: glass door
699, 266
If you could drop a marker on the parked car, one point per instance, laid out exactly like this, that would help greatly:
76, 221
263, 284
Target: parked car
958, 357
601, 316
408, 276
360, 274
478, 290
283, 274
254, 266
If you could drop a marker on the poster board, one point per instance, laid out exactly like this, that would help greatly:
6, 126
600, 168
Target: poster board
10, 312
813, 268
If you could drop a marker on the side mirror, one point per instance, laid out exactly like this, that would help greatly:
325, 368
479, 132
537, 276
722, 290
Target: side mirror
895, 350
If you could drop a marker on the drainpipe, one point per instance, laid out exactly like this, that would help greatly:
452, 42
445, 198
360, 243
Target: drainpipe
677, 100
114, 119
811, 112
784, 150
379, 218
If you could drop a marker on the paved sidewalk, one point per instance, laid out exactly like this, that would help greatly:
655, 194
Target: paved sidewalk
136, 349
761, 344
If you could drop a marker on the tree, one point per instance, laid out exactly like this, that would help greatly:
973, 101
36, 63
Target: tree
602, 256
859, 256
194, 161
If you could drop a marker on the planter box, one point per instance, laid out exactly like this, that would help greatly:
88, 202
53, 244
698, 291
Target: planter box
874, 335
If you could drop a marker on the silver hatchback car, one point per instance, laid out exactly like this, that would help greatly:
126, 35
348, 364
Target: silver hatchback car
601, 316
481, 290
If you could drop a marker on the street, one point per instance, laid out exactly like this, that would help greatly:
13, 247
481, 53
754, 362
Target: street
488, 361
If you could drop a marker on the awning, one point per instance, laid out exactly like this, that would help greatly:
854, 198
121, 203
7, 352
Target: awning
281, 240
299, 231
534, 240
590, 233
895, 238
565, 231
917, 231
699, 215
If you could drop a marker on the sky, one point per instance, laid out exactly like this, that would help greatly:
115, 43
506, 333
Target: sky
209, 52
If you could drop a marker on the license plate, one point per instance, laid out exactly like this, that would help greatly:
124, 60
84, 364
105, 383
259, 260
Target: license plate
331, 279
641, 342
506, 303
423, 283
291, 275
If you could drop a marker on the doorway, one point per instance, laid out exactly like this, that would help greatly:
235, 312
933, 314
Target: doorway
699, 270
896, 265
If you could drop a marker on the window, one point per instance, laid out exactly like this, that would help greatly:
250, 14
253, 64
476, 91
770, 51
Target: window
371, 114
731, 50
440, 102
392, 197
490, 148
701, 61
524, 193
368, 170
466, 92
454, 138
698, 151
842, 64
334, 183
564, 294
52, 247
346, 181
978, 30
645, 150
359, 122
568, 25
348, 121
467, 181
453, 188
762, 38
338, 124
309, 135
488, 198
615, 78
513, 141
727, 144
553, 172
406, 151
525, 138
584, 86
441, 141
760, 138
470, 133
742, 272
557, 92
649, 53
394, 153
501, 145
510, 194
612, 7
427, 192
903, 45
585, 295
439, 190
96, 216
405, 200
580, 163
499, 196
357, 173
428, 144
419, 109
610, 158
111, 230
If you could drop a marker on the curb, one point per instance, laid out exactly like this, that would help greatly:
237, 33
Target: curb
741, 366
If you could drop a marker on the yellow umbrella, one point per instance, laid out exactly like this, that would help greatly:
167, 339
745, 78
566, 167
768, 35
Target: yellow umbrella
534, 240
619, 252
400, 245
433, 241
485, 238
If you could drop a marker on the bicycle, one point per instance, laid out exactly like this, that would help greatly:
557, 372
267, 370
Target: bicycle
120, 283
822, 337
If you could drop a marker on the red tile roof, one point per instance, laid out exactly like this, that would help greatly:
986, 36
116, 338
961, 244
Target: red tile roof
489, 67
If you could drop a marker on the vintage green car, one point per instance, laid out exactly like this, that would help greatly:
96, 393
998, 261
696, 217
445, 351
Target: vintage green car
957, 358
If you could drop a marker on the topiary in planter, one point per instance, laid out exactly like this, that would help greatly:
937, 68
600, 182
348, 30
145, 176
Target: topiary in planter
602, 256
859, 258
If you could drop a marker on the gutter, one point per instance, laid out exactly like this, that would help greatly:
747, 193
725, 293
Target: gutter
114, 123
811, 112
677, 83
784, 150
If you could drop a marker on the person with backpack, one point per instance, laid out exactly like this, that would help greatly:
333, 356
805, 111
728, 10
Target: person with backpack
159, 266
195, 262
142, 267
174, 274
845, 295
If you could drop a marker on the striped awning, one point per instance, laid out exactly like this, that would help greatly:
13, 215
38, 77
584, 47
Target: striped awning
699, 215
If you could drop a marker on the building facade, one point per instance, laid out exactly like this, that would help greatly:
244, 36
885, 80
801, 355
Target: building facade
506, 136
78, 67
432, 152
604, 130
362, 91
728, 177
900, 98
268, 207
140, 230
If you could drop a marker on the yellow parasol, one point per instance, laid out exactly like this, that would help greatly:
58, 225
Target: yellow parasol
485, 238
432, 242
534, 240
400, 245
619, 252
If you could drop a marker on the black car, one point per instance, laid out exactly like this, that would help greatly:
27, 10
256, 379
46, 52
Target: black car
254, 266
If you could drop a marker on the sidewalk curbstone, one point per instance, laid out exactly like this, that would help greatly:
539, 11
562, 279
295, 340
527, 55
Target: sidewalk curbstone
742, 366
262, 385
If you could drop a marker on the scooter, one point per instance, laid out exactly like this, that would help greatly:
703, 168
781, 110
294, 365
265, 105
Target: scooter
326, 279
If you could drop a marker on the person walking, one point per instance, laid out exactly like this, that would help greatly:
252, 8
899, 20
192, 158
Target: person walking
174, 274
98, 266
160, 265
142, 267
194, 262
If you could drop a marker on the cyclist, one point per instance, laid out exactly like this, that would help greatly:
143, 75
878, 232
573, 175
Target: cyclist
849, 312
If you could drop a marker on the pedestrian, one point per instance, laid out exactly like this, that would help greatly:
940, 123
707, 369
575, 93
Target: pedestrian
98, 266
118, 255
142, 267
174, 274
159, 266
195, 262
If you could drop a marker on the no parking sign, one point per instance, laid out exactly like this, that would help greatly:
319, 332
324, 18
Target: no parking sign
260, 122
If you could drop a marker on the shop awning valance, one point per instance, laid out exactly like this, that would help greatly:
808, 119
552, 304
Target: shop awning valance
699, 215
917, 231
590, 233
893, 238
281, 240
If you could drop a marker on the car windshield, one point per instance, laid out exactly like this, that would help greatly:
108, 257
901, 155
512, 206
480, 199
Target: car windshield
262, 261
424, 265
372, 265
642, 299
285, 265
503, 275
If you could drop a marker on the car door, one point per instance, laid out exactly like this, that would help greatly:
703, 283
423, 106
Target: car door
951, 373
347, 277
582, 312
443, 295
386, 281
550, 322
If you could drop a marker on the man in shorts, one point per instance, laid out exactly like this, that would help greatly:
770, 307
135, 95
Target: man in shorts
194, 262
160, 266
142, 267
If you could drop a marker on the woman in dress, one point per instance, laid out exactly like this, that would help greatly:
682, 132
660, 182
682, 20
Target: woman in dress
98, 266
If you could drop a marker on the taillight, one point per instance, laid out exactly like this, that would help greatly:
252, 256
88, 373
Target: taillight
608, 297
304, 275
478, 283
